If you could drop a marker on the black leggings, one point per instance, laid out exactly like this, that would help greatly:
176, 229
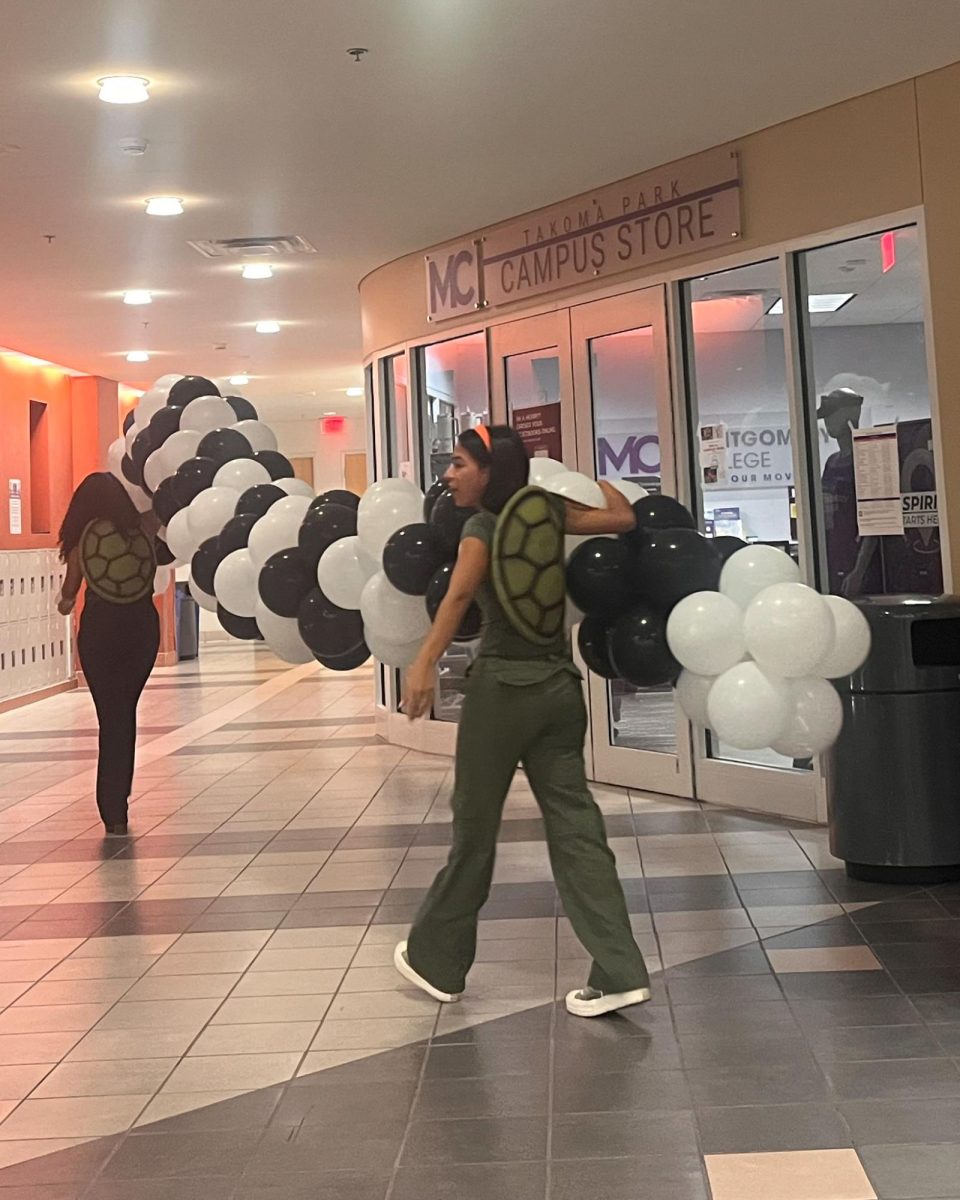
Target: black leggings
118, 646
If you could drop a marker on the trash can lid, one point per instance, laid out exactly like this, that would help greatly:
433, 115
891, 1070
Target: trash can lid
916, 644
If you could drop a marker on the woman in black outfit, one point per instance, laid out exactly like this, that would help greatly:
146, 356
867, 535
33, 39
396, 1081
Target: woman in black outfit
118, 640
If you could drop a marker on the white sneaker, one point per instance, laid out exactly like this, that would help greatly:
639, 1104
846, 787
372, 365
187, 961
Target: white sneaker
588, 1002
402, 964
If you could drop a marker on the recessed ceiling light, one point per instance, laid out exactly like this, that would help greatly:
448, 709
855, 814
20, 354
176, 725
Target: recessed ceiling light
138, 296
124, 89
354, 391
238, 380
825, 303
257, 271
138, 356
268, 327
164, 206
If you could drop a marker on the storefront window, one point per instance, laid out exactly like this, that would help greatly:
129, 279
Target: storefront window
455, 395
396, 386
533, 401
740, 418
863, 333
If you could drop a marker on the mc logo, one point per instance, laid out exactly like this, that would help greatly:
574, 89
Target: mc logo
452, 283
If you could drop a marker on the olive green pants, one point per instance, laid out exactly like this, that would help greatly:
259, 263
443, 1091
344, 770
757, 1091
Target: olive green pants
543, 727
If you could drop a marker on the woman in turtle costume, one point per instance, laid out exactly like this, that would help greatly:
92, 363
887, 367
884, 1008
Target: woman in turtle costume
108, 545
523, 705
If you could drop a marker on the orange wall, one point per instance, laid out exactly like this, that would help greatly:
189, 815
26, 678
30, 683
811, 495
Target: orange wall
75, 415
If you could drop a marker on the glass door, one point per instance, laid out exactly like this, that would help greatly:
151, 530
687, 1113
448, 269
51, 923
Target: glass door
624, 421
532, 386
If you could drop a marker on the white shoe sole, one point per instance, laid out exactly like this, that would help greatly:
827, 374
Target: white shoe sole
400, 962
605, 1004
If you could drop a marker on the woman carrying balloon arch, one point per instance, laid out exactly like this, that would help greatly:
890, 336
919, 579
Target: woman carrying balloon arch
524, 706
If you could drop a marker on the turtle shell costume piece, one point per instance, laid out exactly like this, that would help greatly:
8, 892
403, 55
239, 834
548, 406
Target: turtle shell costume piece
118, 565
527, 564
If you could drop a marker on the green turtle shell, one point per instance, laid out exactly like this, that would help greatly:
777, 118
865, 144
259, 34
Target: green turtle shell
527, 564
117, 565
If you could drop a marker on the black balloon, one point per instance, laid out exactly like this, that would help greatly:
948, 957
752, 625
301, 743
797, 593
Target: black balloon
345, 662
434, 492
128, 420
166, 500
191, 387
276, 463
236, 533
638, 649
243, 408
285, 579
164, 555
259, 498
130, 473
601, 577
336, 496
193, 477
411, 558
728, 546
164, 422
321, 527
329, 631
244, 628
224, 445
141, 449
674, 563
660, 512
592, 639
437, 590
203, 565
449, 520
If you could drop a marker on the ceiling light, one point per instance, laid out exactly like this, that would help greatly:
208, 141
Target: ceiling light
268, 327
257, 271
828, 302
164, 206
124, 89
238, 380
354, 391
138, 296
138, 356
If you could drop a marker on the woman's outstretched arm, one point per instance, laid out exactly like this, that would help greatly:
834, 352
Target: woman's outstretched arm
617, 517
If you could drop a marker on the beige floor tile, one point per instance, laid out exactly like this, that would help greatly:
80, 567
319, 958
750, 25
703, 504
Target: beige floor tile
19, 1080
328, 935
14, 1152
790, 1175
231, 1072
51, 1018
76, 1117
403, 1002
383, 1034
104, 1045
256, 1010
160, 1014
127, 944
304, 959
287, 983
36, 1047
211, 962
129, 1076
266, 1038
75, 991
183, 987
824, 958
173, 1104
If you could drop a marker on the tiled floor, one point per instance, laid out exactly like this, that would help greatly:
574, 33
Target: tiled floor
210, 1011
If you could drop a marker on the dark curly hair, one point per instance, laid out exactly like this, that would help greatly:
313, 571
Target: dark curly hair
507, 459
100, 496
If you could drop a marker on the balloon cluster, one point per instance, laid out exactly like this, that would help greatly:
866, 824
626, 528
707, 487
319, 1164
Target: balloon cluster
229, 505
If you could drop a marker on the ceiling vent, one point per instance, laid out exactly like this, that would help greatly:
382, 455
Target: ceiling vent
281, 246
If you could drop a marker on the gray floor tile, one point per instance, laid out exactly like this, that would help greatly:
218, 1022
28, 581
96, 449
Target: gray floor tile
900, 1079
510, 1139
758, 1083
666, 1178
913, 1172
180, 1155
488, 1061
314, 1185
612, 1135
880, 1010
876, 1122
479, 1181
874, 1042
493, 1096
207, 1188
762, 1129
643, 1090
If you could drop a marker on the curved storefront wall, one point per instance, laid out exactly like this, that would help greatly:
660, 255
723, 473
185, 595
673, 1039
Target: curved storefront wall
820, 272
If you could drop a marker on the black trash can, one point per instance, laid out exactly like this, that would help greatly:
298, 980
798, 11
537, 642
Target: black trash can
188, 624
894, 774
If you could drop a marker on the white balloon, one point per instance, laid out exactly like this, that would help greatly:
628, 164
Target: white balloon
746, 573
130, 437
204, 599
282, 635
385, 508
705, 633
392, 654
390, 614
209, 511
292, 504
295, 487
851, 640
115, 455
235, 583
571, 485
260, 436
240, 474
632, 491
149, 403
277, 529
179, 537
165, 382
542, 468
748, 710
397, 483
178, 448
162, 580
207, 413
344, 569
154, 470
693, 692
815, 720
789, 629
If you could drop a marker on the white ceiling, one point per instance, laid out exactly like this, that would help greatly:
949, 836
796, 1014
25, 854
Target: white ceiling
463, 113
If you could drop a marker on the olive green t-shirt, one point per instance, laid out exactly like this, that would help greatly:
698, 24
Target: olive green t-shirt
504, 652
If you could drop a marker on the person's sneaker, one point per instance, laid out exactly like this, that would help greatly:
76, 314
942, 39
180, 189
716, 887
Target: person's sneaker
588, 1002
117, 830
401, 962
